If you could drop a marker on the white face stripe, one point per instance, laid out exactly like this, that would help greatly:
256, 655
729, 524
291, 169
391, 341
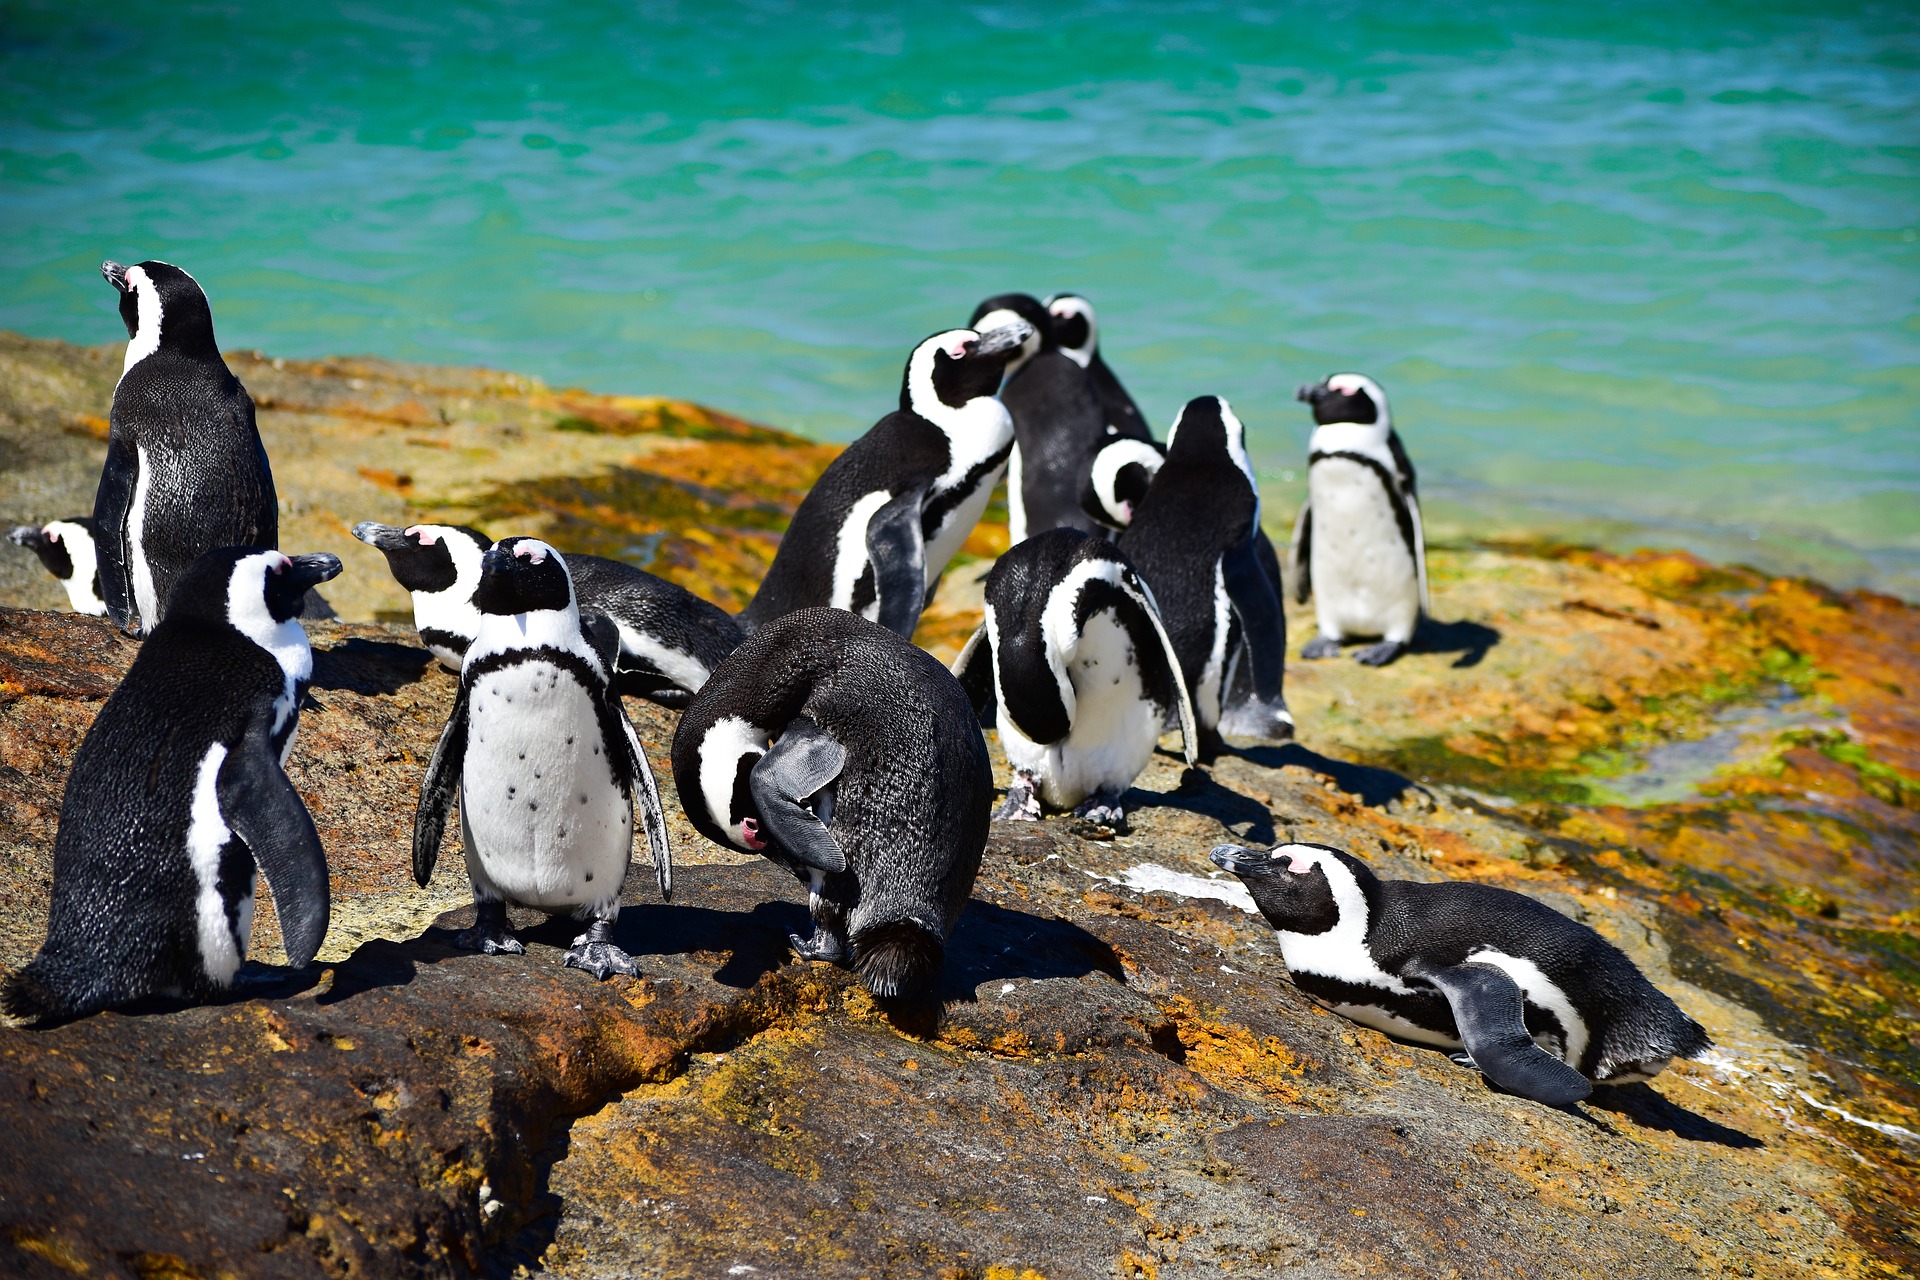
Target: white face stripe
286, 641
146, 597
450, 609
86, 565
537, 628
1065, 307
1029, 347
146, 335
1341, 952
729, 739
207, 835
1348, 383
1106, 473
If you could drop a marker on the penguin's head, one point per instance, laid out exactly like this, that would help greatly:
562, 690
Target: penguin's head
1299, 888
1346, 397
253, 589
1118, 480
1004, 309
950, 370
522, 575
1206, 429
729, 750
1074, 330
161, 305
47, 542
428, 557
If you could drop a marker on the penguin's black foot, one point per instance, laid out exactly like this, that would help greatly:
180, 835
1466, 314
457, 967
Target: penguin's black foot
1464, 1059
1022, 804
821, 946
599, 958
1103, 809
489, 933
1320, 647
1379, 655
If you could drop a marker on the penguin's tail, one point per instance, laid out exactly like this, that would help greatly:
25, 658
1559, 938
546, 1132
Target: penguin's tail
898, 957
26, 996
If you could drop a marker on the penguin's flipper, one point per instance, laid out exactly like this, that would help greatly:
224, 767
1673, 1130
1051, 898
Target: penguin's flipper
1263, 619
1300, 555
1491, 1014
653, 815
898, 552
604, 636
110, 503
974, 670
1402, 463
259, 804
805, 760
1136, 587
437, 790
1419, 550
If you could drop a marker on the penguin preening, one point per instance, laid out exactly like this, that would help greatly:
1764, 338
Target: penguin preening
878, 528
179, 795
851, 758
185, 471
545, 763
1195, 538
1077, 335
1074, 666
1358, 547
1542, 1004
670, 639
67, 549
1058, 422
1121, 473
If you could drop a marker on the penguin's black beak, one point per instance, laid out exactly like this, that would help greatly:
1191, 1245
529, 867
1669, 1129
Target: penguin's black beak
1310, 392
382, 537
115, 274
306, 572
28, 536
1008, 337
1234, 858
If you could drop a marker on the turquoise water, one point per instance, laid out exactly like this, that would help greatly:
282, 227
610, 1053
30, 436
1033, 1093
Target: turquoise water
1648, 269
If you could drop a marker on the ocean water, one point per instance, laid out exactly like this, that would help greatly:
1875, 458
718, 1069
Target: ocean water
1644, 272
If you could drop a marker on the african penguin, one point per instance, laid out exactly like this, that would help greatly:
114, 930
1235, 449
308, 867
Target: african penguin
179, 797
1058, 423
670, 639
1358, 547
67, 549
1121, 472
1195, 538
1541, 1003
878, 528
1075, 666
545, 763
1078, 336
853, 759
186, 471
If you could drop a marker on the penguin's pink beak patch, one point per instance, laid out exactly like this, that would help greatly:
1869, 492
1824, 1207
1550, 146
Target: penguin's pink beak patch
53, 535
531, 552
750, 834
425, 536
958, 351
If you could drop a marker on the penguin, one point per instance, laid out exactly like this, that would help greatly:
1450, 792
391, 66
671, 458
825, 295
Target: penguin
670, 639
1074, 664
1195, 539
1541, 1004
853, 759
1077, 335
878, 528
1121, 472
545, 762
67, 549
186, 471
1058, 423
179, 798
1358, 547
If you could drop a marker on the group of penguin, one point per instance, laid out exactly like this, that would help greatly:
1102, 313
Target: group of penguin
1139, 594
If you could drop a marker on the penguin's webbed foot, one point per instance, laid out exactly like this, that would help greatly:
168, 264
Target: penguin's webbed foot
823, 945
600, 958
490, 934
1320, 647
1022, 804
1461, 1058
1379, 655
1103, 808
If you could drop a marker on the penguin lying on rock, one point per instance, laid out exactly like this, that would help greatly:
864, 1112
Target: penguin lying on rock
179, 796
877, 529
67, 549
1075, 659
670, 639
851, 758
1543, 1006
545, 763
1358, 546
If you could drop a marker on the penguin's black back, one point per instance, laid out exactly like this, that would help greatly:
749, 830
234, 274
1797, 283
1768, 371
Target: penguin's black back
1059, 423
901, 451
1122, 414
656, 606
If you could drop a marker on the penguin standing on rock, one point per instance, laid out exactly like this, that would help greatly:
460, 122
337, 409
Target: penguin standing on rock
545, 763
67, 549
878, 528
1195, 539
852, 758
179, 796
1358, 547
1074, 657
670, 639
1078, 338
186, 471
1541, 1004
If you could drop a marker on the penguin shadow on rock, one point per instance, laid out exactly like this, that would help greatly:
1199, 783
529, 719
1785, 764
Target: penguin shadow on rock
367, 667
1372, 786
1471, 640
1201, 793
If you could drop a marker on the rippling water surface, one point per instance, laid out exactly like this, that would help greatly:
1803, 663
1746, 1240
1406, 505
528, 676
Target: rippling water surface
1647, 271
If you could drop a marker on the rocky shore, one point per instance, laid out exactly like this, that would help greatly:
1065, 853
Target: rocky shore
1718, 771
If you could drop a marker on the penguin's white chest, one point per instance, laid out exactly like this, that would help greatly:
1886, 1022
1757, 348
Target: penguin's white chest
544, 822
960, 521
1114, 724
1365, 582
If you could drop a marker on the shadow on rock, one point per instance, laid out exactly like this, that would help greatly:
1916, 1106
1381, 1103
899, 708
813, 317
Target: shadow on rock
1370, 786
1470, 640
1651, 1109
368, 667
1199, 792
995, 944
